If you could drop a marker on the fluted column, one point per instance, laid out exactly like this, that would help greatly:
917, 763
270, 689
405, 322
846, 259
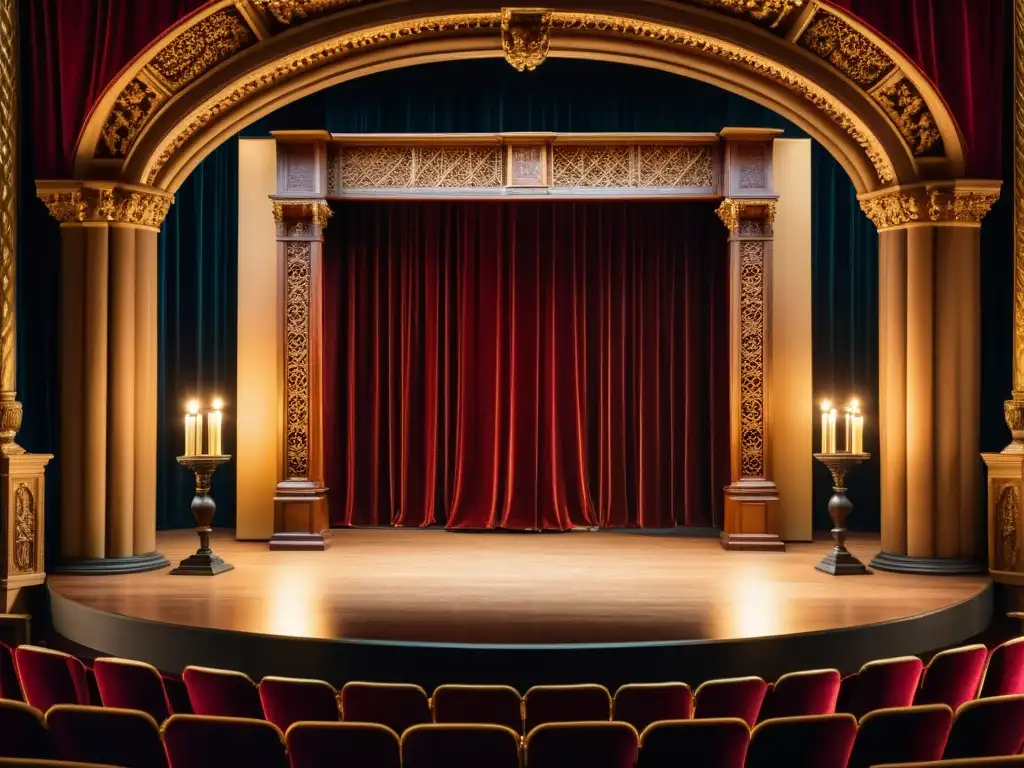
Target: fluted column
929, 360
109, 378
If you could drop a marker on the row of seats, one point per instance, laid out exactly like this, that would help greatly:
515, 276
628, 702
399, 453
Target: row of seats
46, 677
132, 739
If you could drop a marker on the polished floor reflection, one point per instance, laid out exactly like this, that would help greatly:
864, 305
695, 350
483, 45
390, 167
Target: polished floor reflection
435, 586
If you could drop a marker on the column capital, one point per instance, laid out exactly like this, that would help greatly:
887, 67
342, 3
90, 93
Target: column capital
751, 217
76, 202
302, 218
955, 202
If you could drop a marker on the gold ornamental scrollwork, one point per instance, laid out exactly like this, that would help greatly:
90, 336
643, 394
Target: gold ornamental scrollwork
129, 114
65, 207
298, 283
733, 210
1018, 201
201, 47
770, 12
1008, 520
892, 209
958, 206
316, 212
832, 39
287, 11
909, 112
126, 206
525, 36
26, 529
752, 382
8, 191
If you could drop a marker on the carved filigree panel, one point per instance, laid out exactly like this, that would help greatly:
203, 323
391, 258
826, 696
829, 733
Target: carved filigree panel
906, 107
457, 167
675, 166
1008, 520
333, 170
298, 282
526, 166
369, 167
846, 49
129, 114
752, 326
752, 166
593, 166
300, 168
26, 530
201, 47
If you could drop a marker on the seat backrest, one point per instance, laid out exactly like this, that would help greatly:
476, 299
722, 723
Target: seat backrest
566, 703
465, 745
121, 737
1014, 761
1004, 673
10, 686
641, 704
288, 700
902, 735
495, 704
809, 692
177, 695
812, 741
128, 684
592, 744
50, 677
987, 728
396, 705
222, 693
952, 676
198, 741
23, 730
883, 684
312, 745
730, 697
711, 743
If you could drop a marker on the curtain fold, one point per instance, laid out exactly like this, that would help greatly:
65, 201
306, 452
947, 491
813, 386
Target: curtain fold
526, 365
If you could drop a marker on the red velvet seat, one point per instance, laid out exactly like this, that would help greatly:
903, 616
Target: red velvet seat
449, 745
121, 737
313, 745
10, 686
396, 705
1015, 761
987, 728
881, 684
128, 684
566, 703
952, 676
590, 744
811, 692
813, 741
902, 735
495, 704
288, 700
1004, 674
222, 693
197, 741
641, 704
23, 732
718, 743
51, 677
730, 697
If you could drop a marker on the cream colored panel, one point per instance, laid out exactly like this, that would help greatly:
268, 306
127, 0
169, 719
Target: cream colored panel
258, 410
791, 406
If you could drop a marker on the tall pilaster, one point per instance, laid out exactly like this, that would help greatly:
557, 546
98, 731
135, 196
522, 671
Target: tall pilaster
109, 377
929, 373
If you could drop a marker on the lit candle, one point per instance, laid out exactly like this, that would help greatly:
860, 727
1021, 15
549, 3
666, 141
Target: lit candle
848, 431
214, 423
832, 430
191, 428
826, 406
858, 431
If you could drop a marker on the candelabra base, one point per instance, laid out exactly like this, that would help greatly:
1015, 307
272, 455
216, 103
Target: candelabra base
842, 563
201, 564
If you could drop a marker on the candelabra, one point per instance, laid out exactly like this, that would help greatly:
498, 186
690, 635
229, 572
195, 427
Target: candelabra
203, 562
840, 561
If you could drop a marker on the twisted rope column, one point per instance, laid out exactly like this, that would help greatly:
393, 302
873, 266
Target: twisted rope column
10, 408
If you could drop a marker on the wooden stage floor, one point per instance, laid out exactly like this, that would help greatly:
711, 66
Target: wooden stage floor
432, 586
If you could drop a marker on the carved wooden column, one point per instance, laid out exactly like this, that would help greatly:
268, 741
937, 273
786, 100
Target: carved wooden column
748, 211
928, 374
108, 373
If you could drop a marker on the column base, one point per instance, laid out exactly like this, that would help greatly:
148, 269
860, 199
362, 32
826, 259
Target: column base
201, 564
842, 563
752, 542
104, 566
949, 566
751, 517
294, 542
300, 516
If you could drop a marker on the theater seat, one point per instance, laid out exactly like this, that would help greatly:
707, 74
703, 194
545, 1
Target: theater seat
444, 745
717, 743
51, 677
902, 735
10, 687
641, 704
23, 732
952, 676
1004, 673
120, 737
197, 741
222, 693
396, 705
814, 741
987, 728
130, 684
313, 745
730, 697
809, 692
566, 703
495, 704
288, 700
589, 744
880, 684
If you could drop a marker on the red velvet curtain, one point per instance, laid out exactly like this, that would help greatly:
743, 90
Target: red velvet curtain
526, 365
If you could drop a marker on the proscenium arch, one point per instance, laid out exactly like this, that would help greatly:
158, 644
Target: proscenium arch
287, 62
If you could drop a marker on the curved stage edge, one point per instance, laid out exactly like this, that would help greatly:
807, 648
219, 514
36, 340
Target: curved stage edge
176, 642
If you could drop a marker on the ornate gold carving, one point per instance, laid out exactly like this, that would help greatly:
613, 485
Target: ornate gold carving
752, 358
10, 422
316, 212
1013, 414
846, 49
908, 110
8, 192
25, 530
455, 167
624, 166
892, 209
733, 211
525, 36
286, 11
326, 53
298, 277
129, 113
65, 206
1018, 199
960, 206
1008, 514
770, 12
201, 47
104, 204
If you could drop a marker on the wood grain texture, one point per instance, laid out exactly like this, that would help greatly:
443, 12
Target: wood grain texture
437, 586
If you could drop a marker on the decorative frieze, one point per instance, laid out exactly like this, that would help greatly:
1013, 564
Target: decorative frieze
957, 203
908, 110
892, 209
845, 48
131, 110
112, 204
200, 47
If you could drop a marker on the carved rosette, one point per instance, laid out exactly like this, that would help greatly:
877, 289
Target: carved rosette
298, 283
26, 530
525, 36
112, 204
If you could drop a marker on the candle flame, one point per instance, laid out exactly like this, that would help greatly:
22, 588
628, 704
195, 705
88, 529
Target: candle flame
193, 406
826, 406
218, 404
833, 411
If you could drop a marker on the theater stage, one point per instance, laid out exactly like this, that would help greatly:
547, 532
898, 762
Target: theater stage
431, 606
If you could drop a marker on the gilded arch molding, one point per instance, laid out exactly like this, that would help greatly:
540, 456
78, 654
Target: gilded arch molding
235, 60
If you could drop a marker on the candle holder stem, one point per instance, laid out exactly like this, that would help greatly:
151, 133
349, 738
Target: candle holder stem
204, 562
840, 561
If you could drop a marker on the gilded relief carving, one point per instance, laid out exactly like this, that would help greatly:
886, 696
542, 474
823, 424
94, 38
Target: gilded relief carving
732, 211
124, 206
315, 212
129, 113
8, 188
769, 12
525, 36
752, 358
846, 49
1018, 201
960, 206
892, 209
1008, 521
288, 11
298, 282
25, 530
201, 47
908, 110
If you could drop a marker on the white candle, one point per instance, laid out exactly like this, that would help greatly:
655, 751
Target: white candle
848, 436
832, 430
826, 406
858, 433
214, 423
191, 428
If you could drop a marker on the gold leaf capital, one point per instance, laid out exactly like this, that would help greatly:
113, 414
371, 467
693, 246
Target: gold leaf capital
892, 209
732, 210
525, 36
113, 204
